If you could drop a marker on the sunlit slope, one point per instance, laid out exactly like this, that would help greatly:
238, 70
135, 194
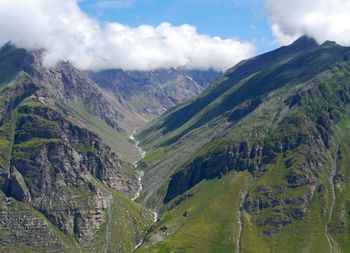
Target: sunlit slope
277, 117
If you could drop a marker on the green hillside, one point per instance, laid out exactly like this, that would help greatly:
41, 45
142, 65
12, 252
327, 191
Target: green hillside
280, 118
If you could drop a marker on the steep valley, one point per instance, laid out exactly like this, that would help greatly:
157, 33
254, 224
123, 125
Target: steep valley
67, 176
252, 160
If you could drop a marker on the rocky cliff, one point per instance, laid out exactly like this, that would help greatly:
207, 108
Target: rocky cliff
63, 189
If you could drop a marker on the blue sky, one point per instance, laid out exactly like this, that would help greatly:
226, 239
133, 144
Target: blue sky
239, 19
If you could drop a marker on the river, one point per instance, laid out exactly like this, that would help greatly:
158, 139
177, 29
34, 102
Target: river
140, 176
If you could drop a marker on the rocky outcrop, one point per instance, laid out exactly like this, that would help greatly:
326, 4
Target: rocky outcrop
52, 168
21, 224
287, 208
17, 187
239, 157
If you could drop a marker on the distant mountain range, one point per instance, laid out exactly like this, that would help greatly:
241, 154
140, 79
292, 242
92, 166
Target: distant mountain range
151, 93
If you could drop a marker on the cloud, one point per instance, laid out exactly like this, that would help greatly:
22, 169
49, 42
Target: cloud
67, 33
321, 19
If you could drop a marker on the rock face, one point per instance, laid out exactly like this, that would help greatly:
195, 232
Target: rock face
60, 184
55, 158
21, 224
151, 93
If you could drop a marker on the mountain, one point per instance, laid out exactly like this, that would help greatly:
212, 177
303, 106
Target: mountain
151, 93
66, 176
259, 161
66, 158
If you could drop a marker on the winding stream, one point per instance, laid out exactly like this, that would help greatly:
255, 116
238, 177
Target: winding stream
136, 163
141, 174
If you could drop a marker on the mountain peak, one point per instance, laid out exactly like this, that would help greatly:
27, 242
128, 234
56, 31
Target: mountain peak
304, 42
329, 43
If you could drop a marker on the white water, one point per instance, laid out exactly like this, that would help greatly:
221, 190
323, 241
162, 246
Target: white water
136, 163
155, 216
141, 173
140, 185
138, 245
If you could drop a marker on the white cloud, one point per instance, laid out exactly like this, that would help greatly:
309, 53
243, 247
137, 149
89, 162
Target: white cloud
66, 33
320, 19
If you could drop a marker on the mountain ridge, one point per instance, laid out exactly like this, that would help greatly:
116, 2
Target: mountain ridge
277, 126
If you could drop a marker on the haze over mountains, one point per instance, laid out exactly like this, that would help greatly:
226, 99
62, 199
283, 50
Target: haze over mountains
151, 93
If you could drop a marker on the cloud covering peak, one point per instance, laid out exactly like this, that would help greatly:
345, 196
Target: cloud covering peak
320, 19
67, 33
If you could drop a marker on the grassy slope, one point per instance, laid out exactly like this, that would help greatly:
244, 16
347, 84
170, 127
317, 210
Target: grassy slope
184, 118
307, 235
119, 142
127, 222
182, 132
202, 141
320, 97
340, 224
212, 223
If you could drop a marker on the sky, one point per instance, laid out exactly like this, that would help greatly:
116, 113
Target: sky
241, 19
153, 34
